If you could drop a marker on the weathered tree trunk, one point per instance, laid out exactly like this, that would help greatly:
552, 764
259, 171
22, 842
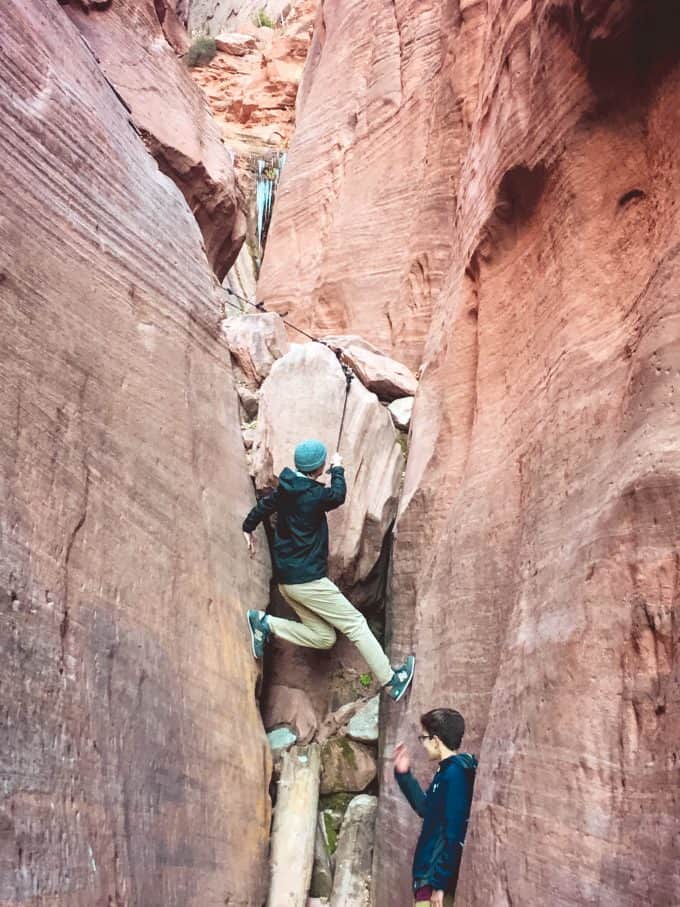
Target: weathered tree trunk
295, 817
352, 884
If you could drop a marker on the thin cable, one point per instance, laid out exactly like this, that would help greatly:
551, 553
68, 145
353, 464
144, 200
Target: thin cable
260, 308
349, 374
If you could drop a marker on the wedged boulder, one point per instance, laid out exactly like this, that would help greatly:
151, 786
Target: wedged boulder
346, 766
303, 397
173, 119
240, 279
401, 411
380, 373
363, 726
249, 400
292, 707
353, 858
255, 342
281, 739
334, 721
294, 829
235, 43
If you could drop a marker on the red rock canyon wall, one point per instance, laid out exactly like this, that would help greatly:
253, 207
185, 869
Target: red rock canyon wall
140, 61
493, 191
132, 748
360, 236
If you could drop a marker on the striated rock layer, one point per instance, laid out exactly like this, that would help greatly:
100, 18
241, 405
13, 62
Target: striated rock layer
132, 749
252, 82
138, 58
520, 160
361, 232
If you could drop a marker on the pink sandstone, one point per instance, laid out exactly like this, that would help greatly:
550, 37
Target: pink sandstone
494, 194
171, 115
132, 746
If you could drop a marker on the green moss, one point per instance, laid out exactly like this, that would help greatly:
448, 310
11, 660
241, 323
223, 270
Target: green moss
262, 20
331, 833
347, 751
201, 51
337, 802
343, 745
402, 441
365, 680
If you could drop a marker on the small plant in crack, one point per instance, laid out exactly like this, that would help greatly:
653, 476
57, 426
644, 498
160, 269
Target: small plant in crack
262, 20
201, 52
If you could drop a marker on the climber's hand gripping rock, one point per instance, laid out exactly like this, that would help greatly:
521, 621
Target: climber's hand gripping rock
251, 542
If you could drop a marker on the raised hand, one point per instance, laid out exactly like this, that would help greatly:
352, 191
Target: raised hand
402, 760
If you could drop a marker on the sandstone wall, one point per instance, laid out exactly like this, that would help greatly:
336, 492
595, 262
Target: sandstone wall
535, 568
211, 17
361, 232
132, 749
140, 60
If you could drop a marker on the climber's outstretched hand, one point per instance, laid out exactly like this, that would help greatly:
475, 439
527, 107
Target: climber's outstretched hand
336, 459
402, 760
250, 542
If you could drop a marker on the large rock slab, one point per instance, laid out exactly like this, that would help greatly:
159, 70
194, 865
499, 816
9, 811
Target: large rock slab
172, 116
125, 667
381, 374
401, 411
363, 726
303, 397
255, 342
235, 43
352, 881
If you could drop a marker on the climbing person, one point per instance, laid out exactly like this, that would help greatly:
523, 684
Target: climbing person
444, 809
300, 558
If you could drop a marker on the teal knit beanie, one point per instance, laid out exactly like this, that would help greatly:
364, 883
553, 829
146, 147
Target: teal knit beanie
310, 456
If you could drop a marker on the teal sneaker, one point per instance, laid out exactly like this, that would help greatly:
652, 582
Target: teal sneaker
401, 679
258, 625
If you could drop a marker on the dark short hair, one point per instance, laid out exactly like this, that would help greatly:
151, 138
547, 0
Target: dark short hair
447, 724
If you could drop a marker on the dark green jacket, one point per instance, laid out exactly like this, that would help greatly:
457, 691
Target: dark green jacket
300, 549
444, 809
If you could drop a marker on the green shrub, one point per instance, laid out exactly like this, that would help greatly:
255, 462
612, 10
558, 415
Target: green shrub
262, 20
201, 51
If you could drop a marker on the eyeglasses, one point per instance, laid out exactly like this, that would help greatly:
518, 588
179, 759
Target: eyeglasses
423, 737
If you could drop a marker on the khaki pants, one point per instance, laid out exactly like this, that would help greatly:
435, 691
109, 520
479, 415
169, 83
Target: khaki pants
448, 902
323, 609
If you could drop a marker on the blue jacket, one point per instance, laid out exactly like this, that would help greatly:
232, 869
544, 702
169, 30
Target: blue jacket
300, 546
444, 810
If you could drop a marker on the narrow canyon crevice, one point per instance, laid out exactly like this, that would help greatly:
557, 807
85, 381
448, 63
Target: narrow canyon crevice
478, 206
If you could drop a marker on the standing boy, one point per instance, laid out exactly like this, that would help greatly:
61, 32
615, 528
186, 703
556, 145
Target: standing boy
300, 556
444, 809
